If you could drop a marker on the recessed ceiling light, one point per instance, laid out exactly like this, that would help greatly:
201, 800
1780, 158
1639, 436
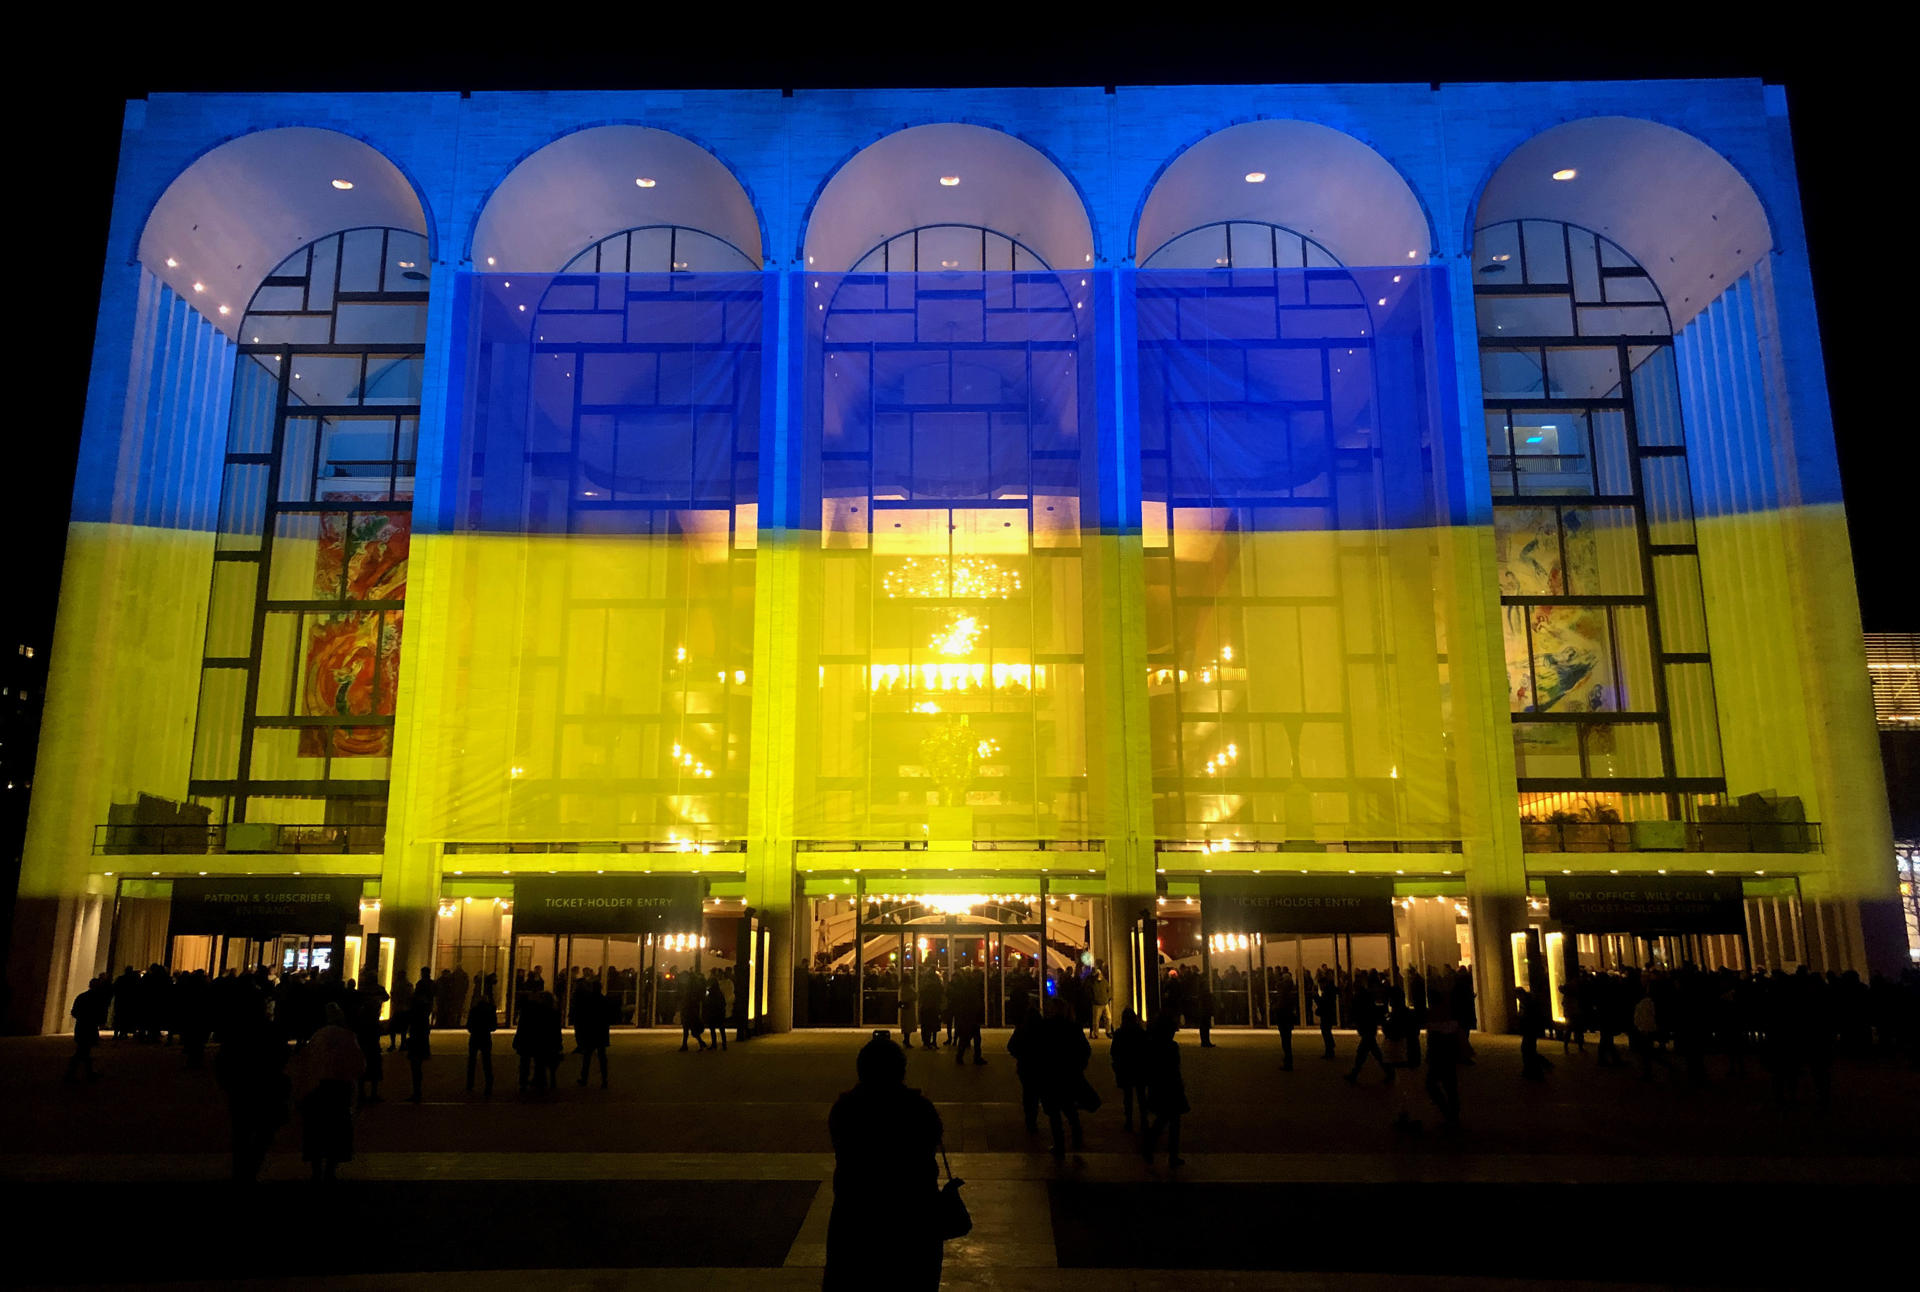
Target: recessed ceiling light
1504, 256
949, 181
1383, 300
343, 184
1413, 255
225, 310
490, 260
1256, 177
404, 264
949, 264
646, 181
1565, 174
199, 287
172, 263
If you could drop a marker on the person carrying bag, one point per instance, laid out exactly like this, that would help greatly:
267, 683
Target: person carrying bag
951, 1219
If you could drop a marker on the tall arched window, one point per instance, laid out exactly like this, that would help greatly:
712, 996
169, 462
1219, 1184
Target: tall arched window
1281, 458
1608, 675
1241, 244
310, 567
935, 248
949, 478
661, 249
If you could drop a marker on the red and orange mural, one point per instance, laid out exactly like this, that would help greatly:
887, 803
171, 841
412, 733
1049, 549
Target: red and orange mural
352, 666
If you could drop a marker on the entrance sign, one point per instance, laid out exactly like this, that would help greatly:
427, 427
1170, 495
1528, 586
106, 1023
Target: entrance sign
607, 904
1297, 904
1647, 904
264, 907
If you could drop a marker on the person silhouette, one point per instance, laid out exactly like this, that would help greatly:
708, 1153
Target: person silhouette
1366, 1024
592, 1028
1129, 1058
331, 1065
1062, 1073
89, 1013
882, 1229
1028, 1046
693, 996
419, 1039
713, 1011
1166, 1090
251, 1068
483, 1020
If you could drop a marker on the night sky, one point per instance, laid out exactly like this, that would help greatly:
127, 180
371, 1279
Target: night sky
1850, 151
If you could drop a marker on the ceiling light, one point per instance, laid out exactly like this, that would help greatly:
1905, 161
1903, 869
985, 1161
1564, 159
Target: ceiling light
225, 310
1503, 257
1566, 174
949, 181
646, 181
172, 263
343, 184
404, 264
1413, 255
949, 264
489, 260
199, 287
1256, 177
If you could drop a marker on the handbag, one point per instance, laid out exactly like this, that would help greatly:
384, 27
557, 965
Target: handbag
950, 1216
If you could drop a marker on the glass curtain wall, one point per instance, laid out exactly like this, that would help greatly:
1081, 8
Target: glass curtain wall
598, 683
1293, 533
949, 466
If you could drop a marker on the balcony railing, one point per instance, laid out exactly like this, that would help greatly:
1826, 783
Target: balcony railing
1670, 836
241, 837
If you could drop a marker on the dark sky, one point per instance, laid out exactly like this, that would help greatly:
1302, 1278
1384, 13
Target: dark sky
67, 153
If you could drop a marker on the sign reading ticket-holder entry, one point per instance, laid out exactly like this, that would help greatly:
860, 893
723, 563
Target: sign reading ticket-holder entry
607, 904
1647, 904
1279, 904
257, 907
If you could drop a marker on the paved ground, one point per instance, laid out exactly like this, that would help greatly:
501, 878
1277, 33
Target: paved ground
708, 1170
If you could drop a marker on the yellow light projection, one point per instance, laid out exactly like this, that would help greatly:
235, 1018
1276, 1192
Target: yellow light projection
948, 634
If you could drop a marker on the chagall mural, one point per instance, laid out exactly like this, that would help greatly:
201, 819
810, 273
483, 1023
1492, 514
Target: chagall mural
1557, 655
352, 664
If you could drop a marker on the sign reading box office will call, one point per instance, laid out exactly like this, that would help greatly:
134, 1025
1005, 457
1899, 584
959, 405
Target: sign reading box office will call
261, 907
1307, 904
1647, 904
606, 904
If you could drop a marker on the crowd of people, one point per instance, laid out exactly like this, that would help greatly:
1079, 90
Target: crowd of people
305, 1041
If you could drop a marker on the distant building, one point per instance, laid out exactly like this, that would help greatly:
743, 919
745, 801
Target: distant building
1893, 661
832, 533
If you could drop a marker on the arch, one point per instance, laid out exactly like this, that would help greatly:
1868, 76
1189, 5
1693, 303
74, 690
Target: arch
1674, 204
568, 195
895, 184
244, 206
1241, 244
661, 248
1320, 182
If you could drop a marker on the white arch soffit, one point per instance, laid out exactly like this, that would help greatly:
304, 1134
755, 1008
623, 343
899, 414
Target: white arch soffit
581, 188
232, 217
1671, 202
893, 185
1319, 181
